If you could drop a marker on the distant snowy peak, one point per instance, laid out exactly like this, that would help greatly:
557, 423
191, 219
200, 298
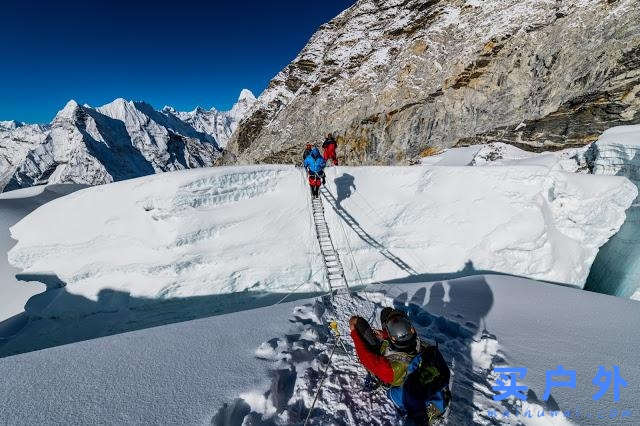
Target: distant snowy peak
10, 125
245, 102
246, 95
219, 124
69, 111
119, 108
16, 140
120, 140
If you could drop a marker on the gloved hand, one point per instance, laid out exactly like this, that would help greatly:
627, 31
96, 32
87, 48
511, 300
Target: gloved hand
365, 331
352, 322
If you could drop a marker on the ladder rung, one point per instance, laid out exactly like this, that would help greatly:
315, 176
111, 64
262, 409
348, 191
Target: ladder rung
335, 272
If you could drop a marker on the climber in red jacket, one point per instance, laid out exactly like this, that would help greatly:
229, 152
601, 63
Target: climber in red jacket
416, 374
330, 146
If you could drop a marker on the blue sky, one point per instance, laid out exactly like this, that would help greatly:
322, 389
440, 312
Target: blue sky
184, 54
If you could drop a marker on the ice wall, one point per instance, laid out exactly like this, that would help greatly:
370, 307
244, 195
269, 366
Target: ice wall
616, 270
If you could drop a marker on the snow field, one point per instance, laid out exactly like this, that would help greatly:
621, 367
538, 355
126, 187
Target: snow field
522, 220
129, 246
478, 327
176, 235
234, 229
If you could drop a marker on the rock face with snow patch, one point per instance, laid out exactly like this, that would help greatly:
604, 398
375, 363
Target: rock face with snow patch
117, 141
219, 124
395, 77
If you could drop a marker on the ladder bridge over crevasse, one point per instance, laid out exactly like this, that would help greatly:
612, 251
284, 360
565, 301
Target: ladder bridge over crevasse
335, 272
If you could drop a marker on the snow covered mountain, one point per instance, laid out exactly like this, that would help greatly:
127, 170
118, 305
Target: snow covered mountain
392, 78
16, 140
119, 140
10, 124
219, 124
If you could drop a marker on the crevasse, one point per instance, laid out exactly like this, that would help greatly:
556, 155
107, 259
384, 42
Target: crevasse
616, 269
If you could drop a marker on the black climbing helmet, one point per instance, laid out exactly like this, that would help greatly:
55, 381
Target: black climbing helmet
401, 333
386, 313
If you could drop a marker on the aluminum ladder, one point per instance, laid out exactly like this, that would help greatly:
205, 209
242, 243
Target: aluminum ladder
333, 265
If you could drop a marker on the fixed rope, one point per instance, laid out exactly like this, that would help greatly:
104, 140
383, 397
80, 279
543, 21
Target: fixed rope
295, 289
365, 236
336, 278
381, 222
326, 194
335, 272
324, 377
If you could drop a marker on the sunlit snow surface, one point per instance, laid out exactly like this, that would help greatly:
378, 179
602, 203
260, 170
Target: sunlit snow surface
480, 323
208, 242
263, 366
224, 230
15, 290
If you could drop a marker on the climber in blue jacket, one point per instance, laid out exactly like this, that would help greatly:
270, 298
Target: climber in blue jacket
314, 164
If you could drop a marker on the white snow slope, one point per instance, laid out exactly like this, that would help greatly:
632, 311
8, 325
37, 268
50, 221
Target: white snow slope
191, 244
225, 230
16, 289
193, 372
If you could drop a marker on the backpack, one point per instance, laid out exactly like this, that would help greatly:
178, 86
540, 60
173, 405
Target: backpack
427, 374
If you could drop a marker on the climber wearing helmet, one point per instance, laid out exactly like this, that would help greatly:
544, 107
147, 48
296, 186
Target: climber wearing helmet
414, 372
314, 164
307, 151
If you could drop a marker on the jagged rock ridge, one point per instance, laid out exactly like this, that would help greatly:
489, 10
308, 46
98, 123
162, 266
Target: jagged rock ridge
119, 140
393, 78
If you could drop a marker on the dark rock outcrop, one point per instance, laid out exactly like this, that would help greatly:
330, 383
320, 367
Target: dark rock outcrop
393, 78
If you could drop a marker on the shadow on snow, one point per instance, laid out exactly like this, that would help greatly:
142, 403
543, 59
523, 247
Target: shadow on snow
451, 314
344, 184
57, 317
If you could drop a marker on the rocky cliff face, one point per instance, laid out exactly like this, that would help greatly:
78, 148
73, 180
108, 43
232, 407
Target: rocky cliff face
119, 140
394, 78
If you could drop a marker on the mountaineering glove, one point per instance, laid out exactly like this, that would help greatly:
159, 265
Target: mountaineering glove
366, 333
